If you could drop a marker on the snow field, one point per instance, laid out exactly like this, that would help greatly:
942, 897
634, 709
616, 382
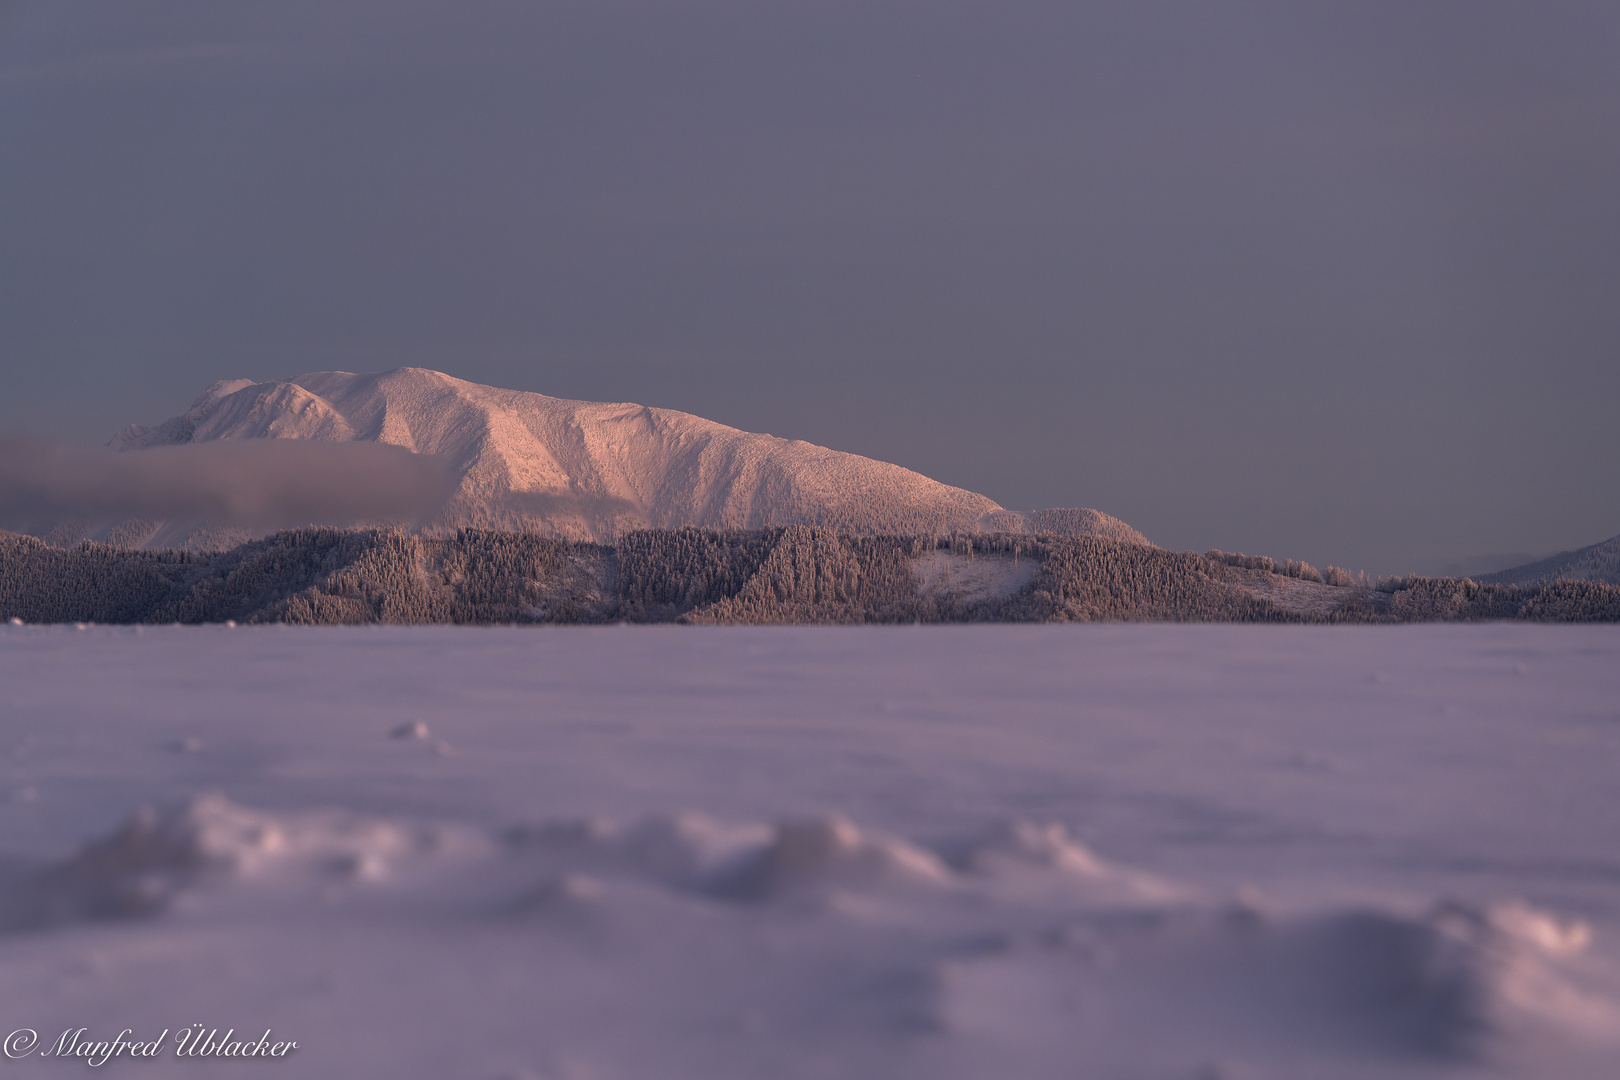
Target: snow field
1104, 851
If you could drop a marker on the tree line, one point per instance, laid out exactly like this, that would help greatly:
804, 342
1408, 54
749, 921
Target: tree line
793, 574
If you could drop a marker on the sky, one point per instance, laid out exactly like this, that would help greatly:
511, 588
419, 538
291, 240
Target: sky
1336, 281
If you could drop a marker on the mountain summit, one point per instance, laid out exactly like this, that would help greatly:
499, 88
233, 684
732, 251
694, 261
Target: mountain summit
584, 470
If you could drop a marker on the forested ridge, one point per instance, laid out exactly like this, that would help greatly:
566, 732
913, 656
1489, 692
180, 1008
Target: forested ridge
795, 574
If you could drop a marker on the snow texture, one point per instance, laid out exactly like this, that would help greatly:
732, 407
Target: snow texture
1170, 852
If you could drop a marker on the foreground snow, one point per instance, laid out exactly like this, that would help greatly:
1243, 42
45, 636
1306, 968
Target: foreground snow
1103, 851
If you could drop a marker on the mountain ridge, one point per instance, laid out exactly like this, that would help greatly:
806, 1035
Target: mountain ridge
574, 470
1598, 562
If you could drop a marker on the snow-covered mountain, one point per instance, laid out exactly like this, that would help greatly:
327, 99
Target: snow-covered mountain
1598, 562
579, 469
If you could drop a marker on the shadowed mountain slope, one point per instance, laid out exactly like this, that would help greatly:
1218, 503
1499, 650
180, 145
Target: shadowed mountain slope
1599, 562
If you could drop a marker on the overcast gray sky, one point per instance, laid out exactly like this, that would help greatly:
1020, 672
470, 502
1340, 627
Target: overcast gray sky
1333, 281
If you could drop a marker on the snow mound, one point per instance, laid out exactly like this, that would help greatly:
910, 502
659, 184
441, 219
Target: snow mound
1024, 945
1027, 852
1368, 990
820, 855
1450, 980
693, 852
156, 856
684, 851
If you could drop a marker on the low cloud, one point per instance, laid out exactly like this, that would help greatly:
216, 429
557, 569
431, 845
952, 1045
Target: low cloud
252, 483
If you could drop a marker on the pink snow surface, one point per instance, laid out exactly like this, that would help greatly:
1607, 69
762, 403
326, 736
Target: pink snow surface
658, 853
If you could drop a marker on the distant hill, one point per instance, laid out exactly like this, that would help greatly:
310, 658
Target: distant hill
1599, 562
781, 575
572, 470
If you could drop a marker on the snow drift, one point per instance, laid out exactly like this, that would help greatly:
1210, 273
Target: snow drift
1022, 940
1122, 852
